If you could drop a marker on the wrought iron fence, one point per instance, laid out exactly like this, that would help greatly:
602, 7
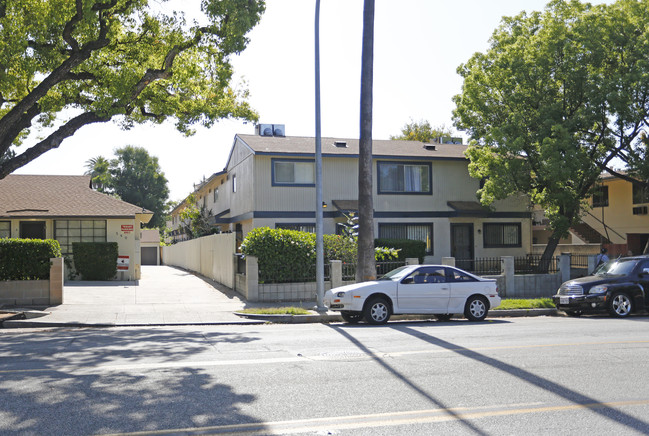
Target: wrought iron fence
530, 264
349, 269
579, 260
480, 266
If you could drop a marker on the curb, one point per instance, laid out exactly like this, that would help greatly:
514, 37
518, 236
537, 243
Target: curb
335, 317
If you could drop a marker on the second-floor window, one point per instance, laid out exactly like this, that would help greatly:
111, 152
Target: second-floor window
293, 172
404, 178
600, 196
216, 194
640, 194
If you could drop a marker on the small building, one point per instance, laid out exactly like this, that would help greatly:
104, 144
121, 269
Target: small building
67, 209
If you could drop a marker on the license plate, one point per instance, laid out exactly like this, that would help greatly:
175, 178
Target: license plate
564, 300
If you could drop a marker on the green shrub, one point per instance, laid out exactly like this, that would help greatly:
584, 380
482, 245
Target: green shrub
95, 260
407, 248
27, 259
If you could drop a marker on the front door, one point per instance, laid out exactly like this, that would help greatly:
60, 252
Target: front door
424, 291
462, 241
32, 229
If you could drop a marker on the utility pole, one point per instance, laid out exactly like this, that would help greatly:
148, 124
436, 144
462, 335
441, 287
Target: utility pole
319, 245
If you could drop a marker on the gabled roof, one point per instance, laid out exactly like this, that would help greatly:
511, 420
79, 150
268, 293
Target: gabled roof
304, 145
59, 196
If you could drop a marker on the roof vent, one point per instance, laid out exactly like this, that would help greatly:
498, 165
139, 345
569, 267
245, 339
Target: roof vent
430, 147
340, 144
270, 129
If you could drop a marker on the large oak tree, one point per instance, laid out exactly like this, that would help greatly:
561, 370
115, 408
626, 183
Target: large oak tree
65, 64
559, 96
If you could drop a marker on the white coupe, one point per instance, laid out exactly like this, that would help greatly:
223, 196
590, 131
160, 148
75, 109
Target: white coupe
416, 289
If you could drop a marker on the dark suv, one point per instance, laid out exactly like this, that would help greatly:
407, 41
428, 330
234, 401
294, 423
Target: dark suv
620, 286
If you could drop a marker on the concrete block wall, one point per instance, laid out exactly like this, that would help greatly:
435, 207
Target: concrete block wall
35, 292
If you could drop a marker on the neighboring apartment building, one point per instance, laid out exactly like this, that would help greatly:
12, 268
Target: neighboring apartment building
618, 220
421, 191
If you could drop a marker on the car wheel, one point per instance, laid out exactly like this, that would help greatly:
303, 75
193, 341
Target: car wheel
476, 308
351, 317
377, 311
443, 317
574, 313
620, 305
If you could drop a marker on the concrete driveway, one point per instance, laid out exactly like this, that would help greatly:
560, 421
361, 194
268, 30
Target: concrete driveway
165, 295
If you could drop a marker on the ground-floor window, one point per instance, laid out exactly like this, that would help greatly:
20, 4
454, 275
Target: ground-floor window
5, 229
300, 227
69, 231
499, 235
415, 232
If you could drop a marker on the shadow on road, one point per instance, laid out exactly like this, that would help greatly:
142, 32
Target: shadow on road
52, 383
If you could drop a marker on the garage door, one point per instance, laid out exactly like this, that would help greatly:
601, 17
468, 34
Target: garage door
149, 255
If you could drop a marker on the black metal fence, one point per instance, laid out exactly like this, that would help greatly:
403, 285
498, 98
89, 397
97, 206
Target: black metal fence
349, 269
530, 264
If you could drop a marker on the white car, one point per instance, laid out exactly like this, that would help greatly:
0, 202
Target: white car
416, 289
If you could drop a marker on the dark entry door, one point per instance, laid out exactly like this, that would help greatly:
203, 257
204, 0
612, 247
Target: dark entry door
32, 229
462, 241
149, 255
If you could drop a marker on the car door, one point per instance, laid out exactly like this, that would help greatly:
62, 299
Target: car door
425, 290
643, 278
462, 287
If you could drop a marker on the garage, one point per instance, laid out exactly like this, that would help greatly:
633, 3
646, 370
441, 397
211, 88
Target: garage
149, 255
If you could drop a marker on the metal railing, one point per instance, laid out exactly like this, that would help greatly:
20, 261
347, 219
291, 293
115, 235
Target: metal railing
530, 264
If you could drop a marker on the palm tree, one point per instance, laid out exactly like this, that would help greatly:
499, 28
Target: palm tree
366, 267
98, 169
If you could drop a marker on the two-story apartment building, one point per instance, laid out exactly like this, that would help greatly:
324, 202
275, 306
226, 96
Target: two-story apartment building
421, 191
618, 219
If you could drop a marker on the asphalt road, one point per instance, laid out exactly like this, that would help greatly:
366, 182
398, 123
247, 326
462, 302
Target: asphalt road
545, 375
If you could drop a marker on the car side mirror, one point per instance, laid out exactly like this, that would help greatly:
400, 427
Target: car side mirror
408, 280
645, 271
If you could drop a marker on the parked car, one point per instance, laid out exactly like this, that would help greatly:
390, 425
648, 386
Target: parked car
416, 289
619, 286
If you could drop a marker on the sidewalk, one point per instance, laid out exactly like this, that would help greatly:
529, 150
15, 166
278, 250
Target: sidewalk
164, 296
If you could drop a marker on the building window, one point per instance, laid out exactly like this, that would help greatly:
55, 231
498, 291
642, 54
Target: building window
293, 172
234, 183
415, 232
499, 235
640, 194
216, 194
69, 231
310, 228
600, 196
404, 178
5, 229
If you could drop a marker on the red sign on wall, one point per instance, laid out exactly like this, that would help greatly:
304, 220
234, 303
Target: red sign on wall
127, 228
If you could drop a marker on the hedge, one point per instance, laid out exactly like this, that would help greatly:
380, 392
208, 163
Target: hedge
408, 248
27, 259
95, 260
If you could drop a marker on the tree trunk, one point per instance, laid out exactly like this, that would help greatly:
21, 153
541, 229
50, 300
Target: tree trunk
366, 267
546, 257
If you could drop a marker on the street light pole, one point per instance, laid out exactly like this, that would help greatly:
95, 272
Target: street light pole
319, 246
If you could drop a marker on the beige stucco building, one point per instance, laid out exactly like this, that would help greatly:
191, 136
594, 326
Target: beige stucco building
67, 209
421, 191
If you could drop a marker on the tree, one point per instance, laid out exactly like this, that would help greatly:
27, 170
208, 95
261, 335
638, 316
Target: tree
136, 178
72, 63
366, 266
557, 97
98, 169
196, 219
422, 131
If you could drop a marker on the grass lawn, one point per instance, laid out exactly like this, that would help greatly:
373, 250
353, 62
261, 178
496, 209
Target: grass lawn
506, 304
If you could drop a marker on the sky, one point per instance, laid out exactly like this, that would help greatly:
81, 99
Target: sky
417, 48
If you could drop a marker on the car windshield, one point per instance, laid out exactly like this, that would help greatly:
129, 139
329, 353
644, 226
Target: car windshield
396, 274
618, 267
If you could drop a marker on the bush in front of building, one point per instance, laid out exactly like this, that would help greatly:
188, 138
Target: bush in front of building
408, 248
27, 259
95, 260
287, 256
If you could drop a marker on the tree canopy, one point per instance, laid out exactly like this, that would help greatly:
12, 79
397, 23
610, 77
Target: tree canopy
559, 96
422, 131
65, 64
135, 177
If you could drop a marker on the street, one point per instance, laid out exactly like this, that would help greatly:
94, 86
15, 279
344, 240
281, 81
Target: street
543, 375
